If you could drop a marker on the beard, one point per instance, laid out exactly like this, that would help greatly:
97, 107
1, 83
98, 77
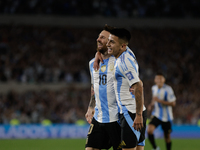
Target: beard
102, 50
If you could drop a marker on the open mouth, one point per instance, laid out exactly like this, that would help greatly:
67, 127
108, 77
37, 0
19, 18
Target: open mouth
99, 45
109, 50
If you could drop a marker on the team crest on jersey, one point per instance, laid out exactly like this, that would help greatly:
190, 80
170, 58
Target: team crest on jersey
129, 76
111, 68
103, 68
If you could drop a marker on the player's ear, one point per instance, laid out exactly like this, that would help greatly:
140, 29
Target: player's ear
123, 45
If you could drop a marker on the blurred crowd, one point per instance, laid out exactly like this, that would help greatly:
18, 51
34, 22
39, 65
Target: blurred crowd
106, 8
63, 106
41, 54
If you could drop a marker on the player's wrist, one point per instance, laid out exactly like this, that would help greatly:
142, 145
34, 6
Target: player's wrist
139, 114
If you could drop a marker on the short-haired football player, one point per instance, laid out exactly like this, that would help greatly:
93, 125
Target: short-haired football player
163, 99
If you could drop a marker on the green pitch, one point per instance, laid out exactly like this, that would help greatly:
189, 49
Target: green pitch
78, 144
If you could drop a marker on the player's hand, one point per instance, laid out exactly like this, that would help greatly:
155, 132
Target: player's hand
150, 106
156, 99
96, 65
89, 115
97, 59
138, 122
131, 89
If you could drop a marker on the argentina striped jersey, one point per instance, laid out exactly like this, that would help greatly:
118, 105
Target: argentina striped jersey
125, 75
106, 109
165, 93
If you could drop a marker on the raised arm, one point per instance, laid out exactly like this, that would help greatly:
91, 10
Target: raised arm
139, 98
97, 59
90, 112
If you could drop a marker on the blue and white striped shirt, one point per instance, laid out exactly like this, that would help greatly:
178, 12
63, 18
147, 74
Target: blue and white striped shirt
106, 109
165, 93
125, 75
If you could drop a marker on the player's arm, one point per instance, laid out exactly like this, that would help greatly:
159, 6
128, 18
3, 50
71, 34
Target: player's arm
139, 98
90, 112
150, 106
173, 103
97, 59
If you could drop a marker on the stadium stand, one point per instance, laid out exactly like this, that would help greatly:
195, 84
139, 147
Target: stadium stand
44, 54
41, 55
106, 8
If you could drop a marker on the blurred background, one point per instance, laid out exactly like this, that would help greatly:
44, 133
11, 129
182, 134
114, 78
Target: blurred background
46, 45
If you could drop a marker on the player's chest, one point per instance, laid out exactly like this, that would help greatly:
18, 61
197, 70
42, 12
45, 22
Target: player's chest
104, 74
161, 93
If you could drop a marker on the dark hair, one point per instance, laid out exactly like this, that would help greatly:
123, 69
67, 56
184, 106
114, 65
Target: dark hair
108, 28
160, 73
121, 33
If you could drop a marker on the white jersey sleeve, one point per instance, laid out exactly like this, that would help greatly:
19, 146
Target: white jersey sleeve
91, 69
129, 70
171, 97
126, 74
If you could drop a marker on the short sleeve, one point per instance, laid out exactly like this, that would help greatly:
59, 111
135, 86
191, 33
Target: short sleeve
91, 70
154, 93
129, 70
171, 96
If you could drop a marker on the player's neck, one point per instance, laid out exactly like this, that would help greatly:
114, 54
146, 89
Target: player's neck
120, 52
160, 86
105, 55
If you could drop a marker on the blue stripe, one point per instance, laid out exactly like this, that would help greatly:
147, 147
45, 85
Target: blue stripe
133, 56
123, 64
142, 143
122, 67
168, 116
130, 123
119, 84
133, 96
160, 108
165, 98
153, 112
118, 76
133, 64
103, 95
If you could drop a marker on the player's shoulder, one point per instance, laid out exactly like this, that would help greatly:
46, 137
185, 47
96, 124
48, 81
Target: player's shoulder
167, 87
91, 61
130, 52
154, 86
112, 58
123, 56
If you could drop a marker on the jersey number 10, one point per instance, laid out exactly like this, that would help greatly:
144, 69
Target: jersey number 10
103, 79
